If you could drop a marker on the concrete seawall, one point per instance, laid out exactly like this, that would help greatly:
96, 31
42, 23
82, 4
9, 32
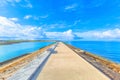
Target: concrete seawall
28, 72
58, 62
109, 68
12, 67
65, 64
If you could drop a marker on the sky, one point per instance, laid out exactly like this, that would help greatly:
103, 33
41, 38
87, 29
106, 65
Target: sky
60, 19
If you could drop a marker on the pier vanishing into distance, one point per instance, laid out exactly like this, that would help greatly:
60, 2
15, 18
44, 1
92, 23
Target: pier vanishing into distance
58, 63
65, 64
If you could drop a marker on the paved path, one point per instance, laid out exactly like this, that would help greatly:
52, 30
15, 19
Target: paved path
64, 64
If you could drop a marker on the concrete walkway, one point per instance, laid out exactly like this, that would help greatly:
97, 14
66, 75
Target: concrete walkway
64, 64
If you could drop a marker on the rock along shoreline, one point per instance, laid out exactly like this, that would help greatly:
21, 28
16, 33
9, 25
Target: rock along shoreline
109, 68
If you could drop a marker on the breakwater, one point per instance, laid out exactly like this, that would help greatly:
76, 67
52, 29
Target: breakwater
109, 68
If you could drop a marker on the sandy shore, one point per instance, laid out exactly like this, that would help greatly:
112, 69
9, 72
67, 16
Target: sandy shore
2, 64
65, 64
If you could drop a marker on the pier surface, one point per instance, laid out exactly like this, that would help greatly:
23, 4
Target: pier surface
65, 64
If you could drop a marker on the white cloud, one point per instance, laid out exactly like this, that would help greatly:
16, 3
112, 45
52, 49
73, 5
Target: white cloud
6, 22
27, 16
16, 2
106, 34
67, 35
35, 17
71, 7
11, 29
39, 17
13, 19
10, 2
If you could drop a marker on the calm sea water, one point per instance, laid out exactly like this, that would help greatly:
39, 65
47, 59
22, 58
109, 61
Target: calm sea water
14, 50
108, 50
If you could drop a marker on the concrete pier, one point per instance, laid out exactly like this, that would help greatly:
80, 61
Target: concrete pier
65, 64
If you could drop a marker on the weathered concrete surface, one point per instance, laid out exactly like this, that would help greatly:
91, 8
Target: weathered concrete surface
64, 64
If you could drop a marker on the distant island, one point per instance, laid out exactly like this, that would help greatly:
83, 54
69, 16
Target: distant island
5, 42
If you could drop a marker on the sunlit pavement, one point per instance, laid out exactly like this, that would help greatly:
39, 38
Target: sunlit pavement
64, 64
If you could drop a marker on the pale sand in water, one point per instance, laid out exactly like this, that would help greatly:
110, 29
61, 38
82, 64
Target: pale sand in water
67, 65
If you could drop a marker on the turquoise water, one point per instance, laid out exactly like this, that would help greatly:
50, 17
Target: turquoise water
14, 50
108, 50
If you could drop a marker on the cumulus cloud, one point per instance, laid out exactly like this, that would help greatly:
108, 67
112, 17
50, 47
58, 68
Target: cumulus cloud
9, 28
106, 34
66, 35
12, 30
13, 19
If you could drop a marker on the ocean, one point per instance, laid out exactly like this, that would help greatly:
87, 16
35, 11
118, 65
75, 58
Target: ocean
109, 50
10, 51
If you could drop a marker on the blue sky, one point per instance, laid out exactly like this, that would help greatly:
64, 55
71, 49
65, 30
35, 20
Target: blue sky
60, 19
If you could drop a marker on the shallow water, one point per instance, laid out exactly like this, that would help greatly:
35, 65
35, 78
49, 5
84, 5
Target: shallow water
108, 50
14, 50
